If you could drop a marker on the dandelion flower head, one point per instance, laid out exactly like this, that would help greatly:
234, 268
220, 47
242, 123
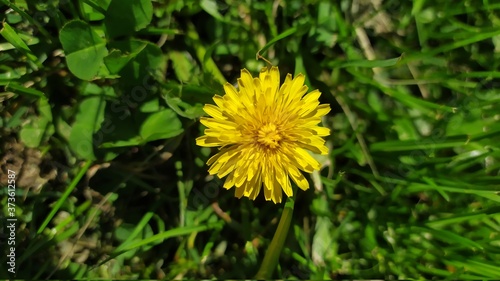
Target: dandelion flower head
264, 132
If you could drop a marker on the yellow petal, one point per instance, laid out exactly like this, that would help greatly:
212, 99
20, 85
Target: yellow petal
268, 194
229, 181
246, 81
298, 178
297, 88
218, 124
263, 73
277, 193
219, 101
213, 111
306, 162
265, 132
225, 162
231, 92
207, 141
239, 191
318, 112
321, 131
252, 189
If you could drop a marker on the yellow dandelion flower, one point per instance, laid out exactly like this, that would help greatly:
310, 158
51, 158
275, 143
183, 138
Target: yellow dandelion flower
264, 132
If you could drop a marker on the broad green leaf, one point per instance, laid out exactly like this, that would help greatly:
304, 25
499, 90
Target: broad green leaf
125, 17
152, 105
183, 66
116, 60
160, 125
187, 100
87, 121
40, 127
84, 49
32, 134
193, 93
136, 64
210, 6
119, 128
139, 128
91, 10
184, 109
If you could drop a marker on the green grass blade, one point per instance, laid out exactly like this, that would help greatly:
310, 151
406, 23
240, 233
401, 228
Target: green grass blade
64, 196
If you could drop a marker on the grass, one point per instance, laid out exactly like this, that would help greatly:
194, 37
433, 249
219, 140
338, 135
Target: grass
100, 103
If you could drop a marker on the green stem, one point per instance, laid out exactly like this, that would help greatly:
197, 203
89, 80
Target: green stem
273, 252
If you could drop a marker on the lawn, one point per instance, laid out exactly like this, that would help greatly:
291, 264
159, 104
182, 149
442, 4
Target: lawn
102, 178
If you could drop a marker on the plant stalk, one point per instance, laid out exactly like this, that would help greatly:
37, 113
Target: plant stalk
272, 255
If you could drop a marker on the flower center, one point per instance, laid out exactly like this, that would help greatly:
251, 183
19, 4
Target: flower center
269, 136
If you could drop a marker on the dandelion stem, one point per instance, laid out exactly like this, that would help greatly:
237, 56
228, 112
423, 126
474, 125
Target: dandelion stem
273, 252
